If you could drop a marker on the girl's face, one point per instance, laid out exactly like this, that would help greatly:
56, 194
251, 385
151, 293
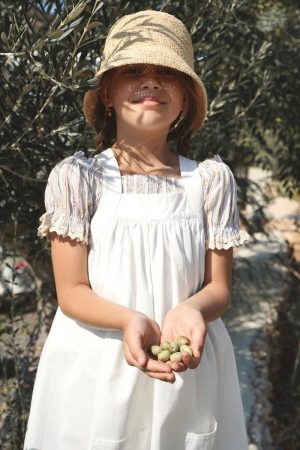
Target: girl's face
145, 97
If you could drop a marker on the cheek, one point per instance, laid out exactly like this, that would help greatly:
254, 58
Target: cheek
176, 92
123, 92
121, 99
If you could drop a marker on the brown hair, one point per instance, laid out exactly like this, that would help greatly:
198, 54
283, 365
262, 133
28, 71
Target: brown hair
105, 124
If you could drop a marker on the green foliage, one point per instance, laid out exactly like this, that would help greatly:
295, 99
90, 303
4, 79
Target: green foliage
245, 54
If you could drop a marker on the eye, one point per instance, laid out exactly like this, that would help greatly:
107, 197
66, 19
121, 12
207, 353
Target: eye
132, 71
167, 72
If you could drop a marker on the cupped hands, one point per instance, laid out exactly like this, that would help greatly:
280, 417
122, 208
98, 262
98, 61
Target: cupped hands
141, 332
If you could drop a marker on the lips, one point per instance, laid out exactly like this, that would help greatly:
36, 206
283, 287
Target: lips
146, 98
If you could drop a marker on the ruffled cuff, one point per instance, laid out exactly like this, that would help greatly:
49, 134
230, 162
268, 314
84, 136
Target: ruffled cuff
78, 231
224, 239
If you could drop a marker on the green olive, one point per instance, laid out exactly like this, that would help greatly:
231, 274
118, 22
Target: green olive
176, 357
174, 347
186, 348
164, 355
165, 345
155, 350
182, 340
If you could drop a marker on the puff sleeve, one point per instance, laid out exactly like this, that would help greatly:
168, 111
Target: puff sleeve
221, 217
71, 197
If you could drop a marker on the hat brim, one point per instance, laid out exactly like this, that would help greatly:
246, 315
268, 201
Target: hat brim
141, 53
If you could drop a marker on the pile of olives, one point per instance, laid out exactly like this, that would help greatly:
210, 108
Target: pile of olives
172, 351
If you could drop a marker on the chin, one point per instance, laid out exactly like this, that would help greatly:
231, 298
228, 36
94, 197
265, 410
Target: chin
155, 128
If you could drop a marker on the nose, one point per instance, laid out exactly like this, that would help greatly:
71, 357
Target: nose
150, 81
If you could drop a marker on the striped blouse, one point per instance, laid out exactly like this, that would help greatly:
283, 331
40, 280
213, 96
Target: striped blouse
74, 188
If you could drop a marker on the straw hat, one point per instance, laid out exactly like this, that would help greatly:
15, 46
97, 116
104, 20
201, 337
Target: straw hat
150, 37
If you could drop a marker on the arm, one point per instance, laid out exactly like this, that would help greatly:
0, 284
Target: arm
79, 302
221, 227
190, 317
75, 296
214, 297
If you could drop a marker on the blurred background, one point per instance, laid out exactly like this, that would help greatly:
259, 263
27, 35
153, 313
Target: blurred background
247, 54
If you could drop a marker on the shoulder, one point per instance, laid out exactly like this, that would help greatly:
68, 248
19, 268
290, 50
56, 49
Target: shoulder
75, 166
214, 171
78, 160
214, 165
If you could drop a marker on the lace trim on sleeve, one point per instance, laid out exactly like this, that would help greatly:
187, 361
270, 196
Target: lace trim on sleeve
225, 239
71, 198
78, 231
221, 216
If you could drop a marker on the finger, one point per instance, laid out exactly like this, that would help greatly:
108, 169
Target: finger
186, 358
168, 377
157, 366
158, 371
139, 359
190, 361
136, 351
194, 363
151, 365
177, 367
197, 342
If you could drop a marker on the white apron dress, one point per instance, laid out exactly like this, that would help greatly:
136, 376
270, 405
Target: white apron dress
146, 252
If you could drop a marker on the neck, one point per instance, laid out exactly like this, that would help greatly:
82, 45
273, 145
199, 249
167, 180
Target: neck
145, 156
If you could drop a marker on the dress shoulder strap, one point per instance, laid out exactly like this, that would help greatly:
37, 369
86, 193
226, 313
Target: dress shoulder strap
187, 166
191, 180
111, 173
111, 192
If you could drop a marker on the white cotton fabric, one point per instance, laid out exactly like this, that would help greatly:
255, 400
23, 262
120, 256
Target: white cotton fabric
70, 206
146, 252
73, 190
221, 215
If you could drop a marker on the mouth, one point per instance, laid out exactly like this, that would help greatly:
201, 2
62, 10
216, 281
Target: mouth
148, 99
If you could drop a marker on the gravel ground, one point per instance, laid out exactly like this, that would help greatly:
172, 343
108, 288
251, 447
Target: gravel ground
265, 275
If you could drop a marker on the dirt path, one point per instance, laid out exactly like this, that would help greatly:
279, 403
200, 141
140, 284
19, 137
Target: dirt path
264, 325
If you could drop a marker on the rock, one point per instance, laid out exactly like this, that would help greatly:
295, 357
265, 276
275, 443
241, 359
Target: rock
282, 208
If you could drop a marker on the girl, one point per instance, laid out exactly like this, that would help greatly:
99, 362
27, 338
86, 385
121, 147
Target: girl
142, 243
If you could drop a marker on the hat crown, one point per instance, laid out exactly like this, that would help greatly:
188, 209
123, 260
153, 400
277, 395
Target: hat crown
148, 28
152, 37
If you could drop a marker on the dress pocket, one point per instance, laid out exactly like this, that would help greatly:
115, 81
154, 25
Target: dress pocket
194, 441
138, 440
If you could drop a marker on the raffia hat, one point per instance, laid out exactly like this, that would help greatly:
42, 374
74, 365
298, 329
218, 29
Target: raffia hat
151, 37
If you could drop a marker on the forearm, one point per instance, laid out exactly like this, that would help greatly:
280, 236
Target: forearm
83, 305
212, 300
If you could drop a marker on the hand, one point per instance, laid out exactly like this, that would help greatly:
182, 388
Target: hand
140, 332
186, 320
